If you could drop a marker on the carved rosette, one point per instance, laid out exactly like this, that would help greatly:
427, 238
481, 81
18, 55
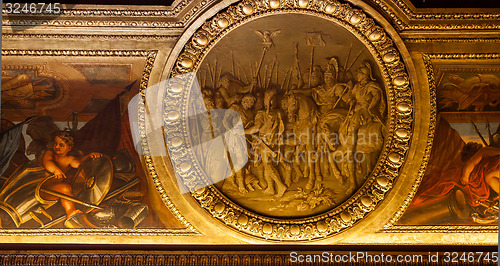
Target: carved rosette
394, 154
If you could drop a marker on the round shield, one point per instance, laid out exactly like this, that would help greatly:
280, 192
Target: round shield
93, 180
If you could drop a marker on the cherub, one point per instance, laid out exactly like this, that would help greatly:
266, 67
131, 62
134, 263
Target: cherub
58, 161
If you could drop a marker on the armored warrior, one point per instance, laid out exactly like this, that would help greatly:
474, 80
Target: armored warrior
366, 106
244, 112
269, 125
232, 89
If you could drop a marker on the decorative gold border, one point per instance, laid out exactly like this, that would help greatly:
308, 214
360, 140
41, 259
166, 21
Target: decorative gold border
171, 11
422, 13
415, 17
457, 39
391, 227
231, 257
150, 56
88, 36
148, 18
93, 23
36, 67
412, 19
366, 199
54, 52
464, 56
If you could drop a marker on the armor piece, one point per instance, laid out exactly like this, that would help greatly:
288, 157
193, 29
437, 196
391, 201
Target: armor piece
20, 196
93, 180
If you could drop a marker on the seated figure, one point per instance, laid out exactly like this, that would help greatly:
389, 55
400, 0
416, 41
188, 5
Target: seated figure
58, 161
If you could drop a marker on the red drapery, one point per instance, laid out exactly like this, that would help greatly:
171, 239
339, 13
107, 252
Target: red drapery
438, 184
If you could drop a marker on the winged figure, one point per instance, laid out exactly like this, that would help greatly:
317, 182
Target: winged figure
267, 36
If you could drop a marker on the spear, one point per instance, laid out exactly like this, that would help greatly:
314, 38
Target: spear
204, 78
244, 72
284, 79
219, 74
212, 75
340, 97
267, 43
260, 62
215, 72
479, 133
69, 198
356, 58
313, 39
111, 195
257, 74
272, 70
489, 130
238, 70
265, 76
348, 55
116, 192
232, 59
277, 67
297, 60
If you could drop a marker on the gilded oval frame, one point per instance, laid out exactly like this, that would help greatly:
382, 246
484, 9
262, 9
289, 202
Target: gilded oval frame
400, 104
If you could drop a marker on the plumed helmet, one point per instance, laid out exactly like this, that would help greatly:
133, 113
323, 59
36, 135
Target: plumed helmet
333, 63
366, 69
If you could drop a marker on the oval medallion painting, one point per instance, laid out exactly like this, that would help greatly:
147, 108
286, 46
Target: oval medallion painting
291, 117
312, 110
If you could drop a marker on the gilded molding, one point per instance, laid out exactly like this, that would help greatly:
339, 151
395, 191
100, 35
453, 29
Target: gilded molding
146, 18
366, 199
24, 67
441, 229
119, 53
461, 39
90, 23
89, 36
413, 20
398, 23
207, 258
466, 69
493, 26
422, 15
172, 11
97, 232
427, 154
150, 56
464, 56
390, 227
145, 149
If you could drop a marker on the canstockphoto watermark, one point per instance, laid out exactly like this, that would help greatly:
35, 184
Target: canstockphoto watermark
357, 257
373, 257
